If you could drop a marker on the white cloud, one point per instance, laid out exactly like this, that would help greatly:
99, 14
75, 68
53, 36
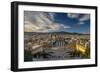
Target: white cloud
30, 27
41, 22
85, 17
63, 26
73, 15
51, 15
81, 23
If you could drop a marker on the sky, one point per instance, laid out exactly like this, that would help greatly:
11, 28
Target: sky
35, 21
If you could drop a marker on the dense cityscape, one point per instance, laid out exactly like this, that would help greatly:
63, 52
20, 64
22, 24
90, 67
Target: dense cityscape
56, 46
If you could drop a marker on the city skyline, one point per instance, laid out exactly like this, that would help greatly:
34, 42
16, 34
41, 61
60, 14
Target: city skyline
56, 22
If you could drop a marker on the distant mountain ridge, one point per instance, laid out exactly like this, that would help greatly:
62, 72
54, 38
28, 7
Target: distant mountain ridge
61, 32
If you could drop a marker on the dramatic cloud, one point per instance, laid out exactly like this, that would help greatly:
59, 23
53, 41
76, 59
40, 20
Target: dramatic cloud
73, 15
41, 22
80, 18
85, 17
